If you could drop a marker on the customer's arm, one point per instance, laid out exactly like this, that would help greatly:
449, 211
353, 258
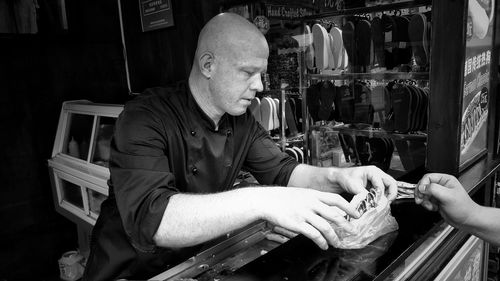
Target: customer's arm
444, 193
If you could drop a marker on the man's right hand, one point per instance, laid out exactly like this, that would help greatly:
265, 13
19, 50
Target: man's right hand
306, 211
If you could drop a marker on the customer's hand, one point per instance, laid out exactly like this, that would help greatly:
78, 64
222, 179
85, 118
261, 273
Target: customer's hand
444, 193
354, 180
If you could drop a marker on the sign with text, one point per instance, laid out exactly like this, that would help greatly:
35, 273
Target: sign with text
287, 12
473, 134
156, 14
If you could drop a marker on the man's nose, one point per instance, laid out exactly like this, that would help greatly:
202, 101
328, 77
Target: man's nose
257, 84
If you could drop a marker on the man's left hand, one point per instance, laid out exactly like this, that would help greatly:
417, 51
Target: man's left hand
355, 179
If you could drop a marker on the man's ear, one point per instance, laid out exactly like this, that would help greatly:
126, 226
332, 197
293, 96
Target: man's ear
206, 64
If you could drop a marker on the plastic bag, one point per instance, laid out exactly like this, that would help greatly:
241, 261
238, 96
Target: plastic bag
375, 221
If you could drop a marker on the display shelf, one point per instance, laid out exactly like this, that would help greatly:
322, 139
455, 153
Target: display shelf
79, 163
370, 76
371, 9
370, 111
373, 132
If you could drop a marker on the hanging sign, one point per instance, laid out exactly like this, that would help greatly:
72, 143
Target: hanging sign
156, 14
287, 12
473, 134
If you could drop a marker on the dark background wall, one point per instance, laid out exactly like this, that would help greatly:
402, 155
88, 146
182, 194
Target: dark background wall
37, 73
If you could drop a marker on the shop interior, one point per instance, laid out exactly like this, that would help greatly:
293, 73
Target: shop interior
69, 59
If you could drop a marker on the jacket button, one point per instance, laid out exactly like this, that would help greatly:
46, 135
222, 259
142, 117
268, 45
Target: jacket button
193, 133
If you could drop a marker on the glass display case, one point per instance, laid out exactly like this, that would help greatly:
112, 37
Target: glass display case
366, 94
79, 163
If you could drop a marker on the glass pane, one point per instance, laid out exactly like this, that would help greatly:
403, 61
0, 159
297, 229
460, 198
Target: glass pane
367, 93
71, 193
102, 142
77, 139
343, 147
95, 200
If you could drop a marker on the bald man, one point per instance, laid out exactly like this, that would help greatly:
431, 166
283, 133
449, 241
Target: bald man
177, 151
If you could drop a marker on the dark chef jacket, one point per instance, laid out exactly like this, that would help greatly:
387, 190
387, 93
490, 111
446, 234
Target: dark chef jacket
165, 144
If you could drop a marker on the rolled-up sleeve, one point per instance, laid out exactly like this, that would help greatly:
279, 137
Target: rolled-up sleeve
140, 174
266, 162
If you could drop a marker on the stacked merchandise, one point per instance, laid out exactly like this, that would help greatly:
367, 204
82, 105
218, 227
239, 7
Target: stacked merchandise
296, 151
361, 44
400, 107
267, 111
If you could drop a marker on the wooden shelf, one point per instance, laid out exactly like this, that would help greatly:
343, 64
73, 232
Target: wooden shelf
371, 9
370, 76
372, 133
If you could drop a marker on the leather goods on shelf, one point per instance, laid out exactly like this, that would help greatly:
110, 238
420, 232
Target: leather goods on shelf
290, 118
363, 45
337, 47
363, 108
378, 37
312, 100
389, 26
327, 93
346, 104
321, 43
255, 109
402, 49
309, 53
349, 44
266, 113
417, 32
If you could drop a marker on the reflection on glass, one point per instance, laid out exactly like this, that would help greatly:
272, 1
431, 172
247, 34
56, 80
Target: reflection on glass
77, 140
102, 142
95, 200
71, 193
354, 264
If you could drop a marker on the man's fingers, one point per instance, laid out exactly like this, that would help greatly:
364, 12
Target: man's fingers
332, 199
391, 188
312, 233
324, 228
276, 237
434, 190
333, 215
285, 232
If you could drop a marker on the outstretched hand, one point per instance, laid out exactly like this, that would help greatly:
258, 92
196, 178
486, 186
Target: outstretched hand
444, 193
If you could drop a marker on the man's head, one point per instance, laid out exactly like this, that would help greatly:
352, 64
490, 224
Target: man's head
230, 58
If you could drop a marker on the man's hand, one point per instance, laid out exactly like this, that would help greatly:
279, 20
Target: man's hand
280, 234
306, 211
354, 180
444, 193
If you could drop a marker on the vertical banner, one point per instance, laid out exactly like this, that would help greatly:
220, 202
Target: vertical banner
473, 134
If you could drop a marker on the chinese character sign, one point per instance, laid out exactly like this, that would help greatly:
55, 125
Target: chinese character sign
476, 78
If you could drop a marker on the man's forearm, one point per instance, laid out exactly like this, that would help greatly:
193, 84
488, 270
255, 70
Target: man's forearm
190, 219
313, 177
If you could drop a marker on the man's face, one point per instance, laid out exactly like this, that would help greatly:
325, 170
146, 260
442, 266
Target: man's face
236, 79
